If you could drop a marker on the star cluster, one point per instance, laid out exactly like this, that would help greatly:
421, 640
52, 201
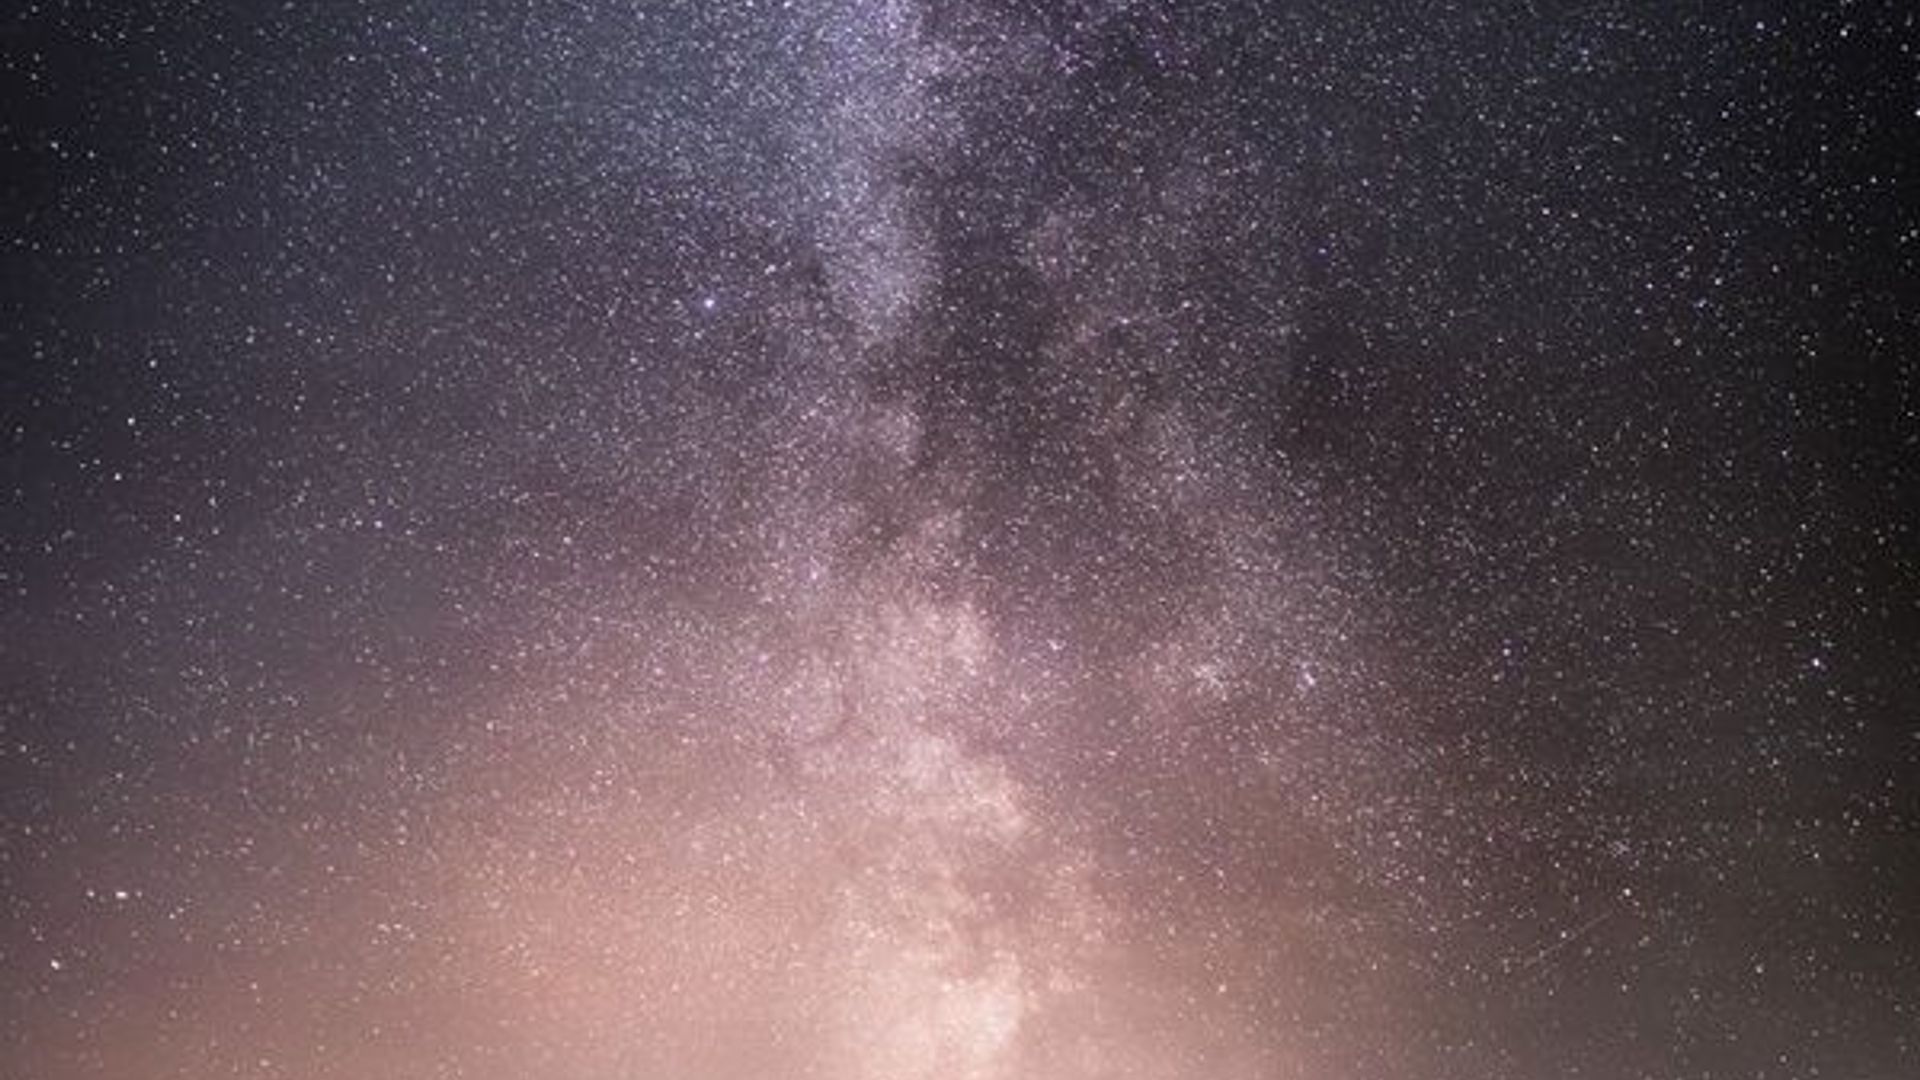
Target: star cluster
959, 540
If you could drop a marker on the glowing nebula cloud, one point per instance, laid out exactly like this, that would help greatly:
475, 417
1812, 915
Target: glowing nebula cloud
922, 540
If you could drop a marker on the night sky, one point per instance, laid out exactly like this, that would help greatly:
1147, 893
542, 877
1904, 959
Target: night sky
959, 540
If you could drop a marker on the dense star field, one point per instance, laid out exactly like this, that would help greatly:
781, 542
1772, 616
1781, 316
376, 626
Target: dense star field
959, 540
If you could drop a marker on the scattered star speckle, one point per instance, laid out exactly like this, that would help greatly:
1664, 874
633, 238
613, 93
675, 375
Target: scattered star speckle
959, 540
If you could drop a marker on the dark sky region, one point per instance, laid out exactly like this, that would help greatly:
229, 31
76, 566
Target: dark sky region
959, 540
